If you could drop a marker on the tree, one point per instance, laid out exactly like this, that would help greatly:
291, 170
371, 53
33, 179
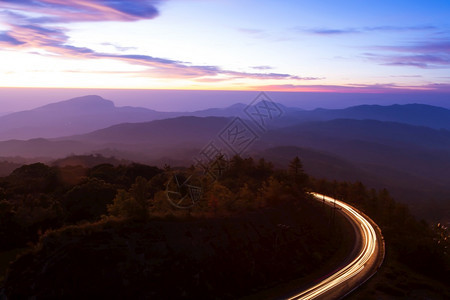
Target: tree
106, 172
133, 204
88, 200
296, 172
135, 170
220, 198
272, 191
120, 205
263, 169
34, 178
246, 198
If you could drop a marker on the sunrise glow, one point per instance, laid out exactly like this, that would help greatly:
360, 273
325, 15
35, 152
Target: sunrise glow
308, 46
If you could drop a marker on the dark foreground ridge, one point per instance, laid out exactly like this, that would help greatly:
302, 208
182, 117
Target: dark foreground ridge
109, 231
193, 258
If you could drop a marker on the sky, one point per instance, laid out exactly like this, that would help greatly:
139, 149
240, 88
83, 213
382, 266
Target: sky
346, 46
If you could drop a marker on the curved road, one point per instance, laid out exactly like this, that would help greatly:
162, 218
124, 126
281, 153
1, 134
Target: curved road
366, 263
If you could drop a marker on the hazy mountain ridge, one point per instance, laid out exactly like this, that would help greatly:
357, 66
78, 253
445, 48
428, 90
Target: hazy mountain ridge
74, 116
412, 114
167, 132
393, 133
89, 113
86, 114
420, 151
412, 160
359, 141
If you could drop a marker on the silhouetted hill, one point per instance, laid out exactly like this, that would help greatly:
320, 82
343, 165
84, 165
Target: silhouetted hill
413, 114
230, 111
74, 116
89, 113
237, 110
85, 114
388, 133
384, 154
412, 161
182, 259
182, 131
426, 196
314, 162
175, 140
90, 103
421, 151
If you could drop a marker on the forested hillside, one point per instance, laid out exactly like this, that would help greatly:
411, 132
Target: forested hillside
252, 217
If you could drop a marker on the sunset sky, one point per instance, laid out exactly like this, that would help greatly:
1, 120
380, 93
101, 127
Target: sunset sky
323, 45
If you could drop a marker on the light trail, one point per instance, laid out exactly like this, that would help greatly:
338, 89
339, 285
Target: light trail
368, 252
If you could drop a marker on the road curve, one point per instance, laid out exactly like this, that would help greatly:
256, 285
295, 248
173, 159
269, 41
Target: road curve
361, 268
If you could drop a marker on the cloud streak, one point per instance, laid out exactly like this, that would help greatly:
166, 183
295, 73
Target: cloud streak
425, 55
442, 46
63, 11
47, 32
359, 30
433, 54
329, 31
357, 88
7, 40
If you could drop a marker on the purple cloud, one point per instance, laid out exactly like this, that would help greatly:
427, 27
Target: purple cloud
8, 40
406, 76
325, 31
268, 75
86, 10
140, 9
119, 48
343, 31
400, 28
42, 33
54, 40
423, 47
262, 67
427, 55
421, 61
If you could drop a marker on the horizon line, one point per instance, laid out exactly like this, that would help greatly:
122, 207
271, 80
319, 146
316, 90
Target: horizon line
342, 89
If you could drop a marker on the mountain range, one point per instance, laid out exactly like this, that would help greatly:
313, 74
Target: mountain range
74, 116
89, 113
413, 114
405, 148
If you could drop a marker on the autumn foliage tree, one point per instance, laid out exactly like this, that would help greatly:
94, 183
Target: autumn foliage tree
132, 204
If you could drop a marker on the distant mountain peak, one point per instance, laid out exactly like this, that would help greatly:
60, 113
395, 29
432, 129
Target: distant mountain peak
237, 105
85, 103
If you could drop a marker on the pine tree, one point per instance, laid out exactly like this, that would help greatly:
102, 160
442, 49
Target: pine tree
296, 172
